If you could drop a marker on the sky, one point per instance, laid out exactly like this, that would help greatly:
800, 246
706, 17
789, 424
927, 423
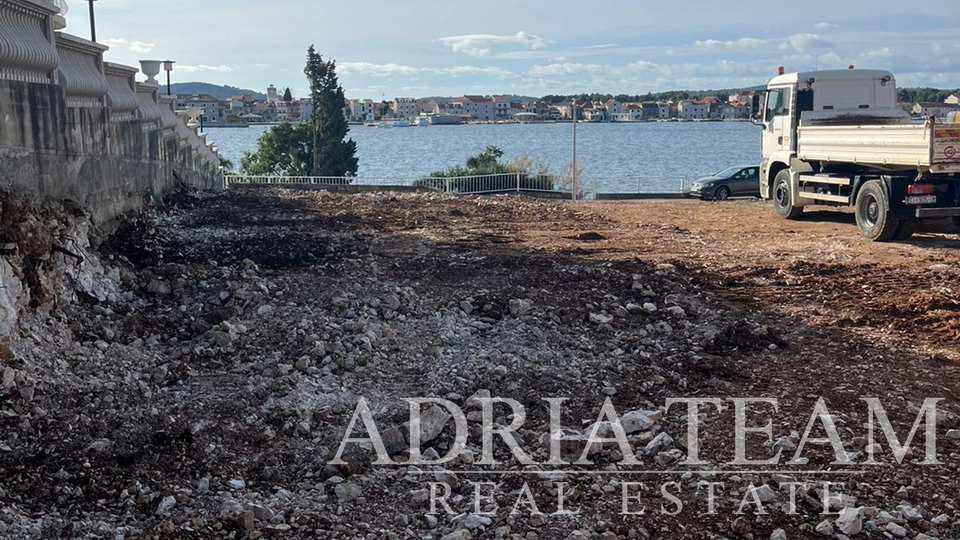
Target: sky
417, 48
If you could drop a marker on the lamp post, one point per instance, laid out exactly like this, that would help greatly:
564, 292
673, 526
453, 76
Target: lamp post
573, 173
168, 67
93, 23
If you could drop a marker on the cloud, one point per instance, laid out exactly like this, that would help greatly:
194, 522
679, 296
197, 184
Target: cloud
201, 67
132, 46
384, 70
471, 70
375, 70
827, 26
807, 43
742, 43
649, 74
140, 47
484, 44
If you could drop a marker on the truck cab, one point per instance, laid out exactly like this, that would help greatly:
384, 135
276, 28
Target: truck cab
840, 138
819, 96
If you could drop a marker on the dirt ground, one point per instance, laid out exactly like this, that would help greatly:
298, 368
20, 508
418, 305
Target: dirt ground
817, 268
209, 398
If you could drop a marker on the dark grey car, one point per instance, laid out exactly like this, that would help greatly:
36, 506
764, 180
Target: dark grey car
732, 182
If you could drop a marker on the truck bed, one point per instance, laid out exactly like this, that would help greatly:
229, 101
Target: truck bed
931, 147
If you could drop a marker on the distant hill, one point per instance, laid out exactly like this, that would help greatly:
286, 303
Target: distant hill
215, 90
652, 96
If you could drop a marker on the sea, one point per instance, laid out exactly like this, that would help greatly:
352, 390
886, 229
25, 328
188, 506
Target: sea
613, 157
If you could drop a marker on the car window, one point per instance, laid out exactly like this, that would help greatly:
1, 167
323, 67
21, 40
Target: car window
727, 173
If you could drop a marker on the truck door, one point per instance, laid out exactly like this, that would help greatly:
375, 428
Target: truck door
777, 121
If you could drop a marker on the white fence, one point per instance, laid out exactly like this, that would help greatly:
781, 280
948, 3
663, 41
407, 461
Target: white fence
486, 184
491, 183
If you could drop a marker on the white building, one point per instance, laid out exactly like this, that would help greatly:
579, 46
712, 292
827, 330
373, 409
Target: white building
504, 107
212, 111
934, 109
629, 112
362, 110
952, 100
429, 107
692, 110
405, 108
301, 110
613, 107
479, 107
283, 111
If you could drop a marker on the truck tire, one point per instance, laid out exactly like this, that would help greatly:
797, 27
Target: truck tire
873, 213
782, 199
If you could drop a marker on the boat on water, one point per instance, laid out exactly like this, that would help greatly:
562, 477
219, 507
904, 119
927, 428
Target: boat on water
394, 123
423, 122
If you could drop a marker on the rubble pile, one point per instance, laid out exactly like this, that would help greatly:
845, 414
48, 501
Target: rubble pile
197, 374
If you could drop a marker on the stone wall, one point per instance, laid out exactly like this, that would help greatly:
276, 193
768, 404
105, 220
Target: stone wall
73, 127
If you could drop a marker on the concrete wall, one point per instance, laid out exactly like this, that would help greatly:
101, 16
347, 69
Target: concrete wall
86, 130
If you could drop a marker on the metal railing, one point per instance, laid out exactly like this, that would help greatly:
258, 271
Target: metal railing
649, 184
490, 183
485, 184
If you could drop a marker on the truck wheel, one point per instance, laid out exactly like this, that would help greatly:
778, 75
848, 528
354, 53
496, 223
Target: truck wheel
782, 200
873, 213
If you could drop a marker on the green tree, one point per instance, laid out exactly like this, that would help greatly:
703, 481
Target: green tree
488, 160
284, 150
226, 163
287, 95
332, 155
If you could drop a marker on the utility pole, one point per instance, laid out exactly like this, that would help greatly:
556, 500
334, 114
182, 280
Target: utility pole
573, 174
93, 23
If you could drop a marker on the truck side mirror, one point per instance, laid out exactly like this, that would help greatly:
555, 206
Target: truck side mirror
756, 107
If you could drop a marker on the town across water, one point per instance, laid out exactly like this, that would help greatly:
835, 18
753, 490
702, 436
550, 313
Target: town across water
616, 157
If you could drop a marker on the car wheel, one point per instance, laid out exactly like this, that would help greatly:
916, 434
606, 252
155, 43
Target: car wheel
722, 193
782, 199
873, 213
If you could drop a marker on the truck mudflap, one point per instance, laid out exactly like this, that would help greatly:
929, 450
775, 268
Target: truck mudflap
923, 213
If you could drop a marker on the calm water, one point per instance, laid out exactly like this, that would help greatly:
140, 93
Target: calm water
615, 156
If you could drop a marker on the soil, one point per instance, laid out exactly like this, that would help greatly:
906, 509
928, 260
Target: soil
253, 321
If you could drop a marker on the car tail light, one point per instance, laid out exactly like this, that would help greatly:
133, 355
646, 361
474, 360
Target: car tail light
920, 189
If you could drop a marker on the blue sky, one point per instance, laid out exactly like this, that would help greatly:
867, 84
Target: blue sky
428, 47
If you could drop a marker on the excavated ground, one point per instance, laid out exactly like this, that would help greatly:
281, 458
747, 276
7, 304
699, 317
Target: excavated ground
208, 397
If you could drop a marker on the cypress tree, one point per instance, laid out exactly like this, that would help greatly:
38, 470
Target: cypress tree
332, 155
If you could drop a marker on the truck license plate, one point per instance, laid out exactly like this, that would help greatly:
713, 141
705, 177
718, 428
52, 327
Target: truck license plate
921, 199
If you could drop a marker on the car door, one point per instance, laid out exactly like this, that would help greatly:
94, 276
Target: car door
739, 182
751, 186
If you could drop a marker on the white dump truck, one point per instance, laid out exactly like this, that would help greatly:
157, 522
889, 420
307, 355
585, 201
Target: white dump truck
840, 138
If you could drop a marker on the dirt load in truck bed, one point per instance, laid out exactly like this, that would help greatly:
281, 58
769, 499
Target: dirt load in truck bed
209, 399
